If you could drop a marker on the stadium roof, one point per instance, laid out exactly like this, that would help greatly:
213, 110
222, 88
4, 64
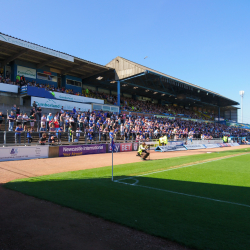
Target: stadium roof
140, 79
12, 48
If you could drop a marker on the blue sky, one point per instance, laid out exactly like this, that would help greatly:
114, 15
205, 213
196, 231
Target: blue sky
205, 42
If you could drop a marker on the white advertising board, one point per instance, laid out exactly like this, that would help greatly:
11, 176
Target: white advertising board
180, 148
35, 47
23, 153
189, 142
76, 98
26, 72
8, 88
212, 146
166, 148
57, 104
198, 146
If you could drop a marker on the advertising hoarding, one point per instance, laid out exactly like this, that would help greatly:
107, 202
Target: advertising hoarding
195, 146
26, 72
8, 88
117, 148
23, 153
57, 104
124, 147
65, 151
75, 98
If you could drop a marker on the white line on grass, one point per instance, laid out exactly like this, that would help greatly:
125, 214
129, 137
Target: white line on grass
190, 165
190, 195
169, 169
169, 191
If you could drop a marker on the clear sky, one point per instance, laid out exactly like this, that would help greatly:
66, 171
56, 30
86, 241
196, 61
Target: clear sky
204, 42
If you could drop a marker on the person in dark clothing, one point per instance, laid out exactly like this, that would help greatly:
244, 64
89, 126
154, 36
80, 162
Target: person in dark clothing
34, 105
42, 129
38, 115
17, 111
43, 139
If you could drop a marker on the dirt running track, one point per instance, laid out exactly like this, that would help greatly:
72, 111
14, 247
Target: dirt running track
30, 223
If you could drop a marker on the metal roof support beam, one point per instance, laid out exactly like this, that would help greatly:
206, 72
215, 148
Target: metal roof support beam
72, 68
162, 83
42, 64
143, 83
154, 90
15, 56
93, 74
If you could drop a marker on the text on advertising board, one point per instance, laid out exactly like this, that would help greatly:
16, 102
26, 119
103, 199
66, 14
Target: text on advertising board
125, 147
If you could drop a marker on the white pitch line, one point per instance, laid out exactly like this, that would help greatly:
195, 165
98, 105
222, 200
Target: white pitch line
190, 195
178, 167
169, 191
188, 165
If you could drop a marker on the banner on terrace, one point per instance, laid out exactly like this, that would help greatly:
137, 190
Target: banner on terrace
57, 104
75, 98
8, 88
27, 72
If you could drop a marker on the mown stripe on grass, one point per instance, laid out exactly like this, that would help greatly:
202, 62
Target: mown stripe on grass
188, 165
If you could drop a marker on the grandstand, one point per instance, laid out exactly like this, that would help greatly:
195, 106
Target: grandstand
30, 73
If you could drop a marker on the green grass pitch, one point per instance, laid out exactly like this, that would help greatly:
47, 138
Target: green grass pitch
201, 201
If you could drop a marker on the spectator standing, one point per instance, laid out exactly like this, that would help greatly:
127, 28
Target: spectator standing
29, 135
42, 129
13, 109
25, 120
1, 119
18, 130
70, 132
43, 120
62, 111
11, 119
38, 115
34, 105
49, 118
32, 111
32, 120
95, 131
17, 111
78, 133
19, 119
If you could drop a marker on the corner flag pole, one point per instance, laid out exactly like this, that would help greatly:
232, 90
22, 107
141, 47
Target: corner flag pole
112, 164
112, 146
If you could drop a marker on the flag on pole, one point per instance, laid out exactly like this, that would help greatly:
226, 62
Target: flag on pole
112, 145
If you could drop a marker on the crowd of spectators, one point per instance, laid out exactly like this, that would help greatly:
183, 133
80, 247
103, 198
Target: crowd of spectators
97, 125
127, 104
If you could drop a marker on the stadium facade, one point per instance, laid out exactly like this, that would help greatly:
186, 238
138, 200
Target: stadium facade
119, 77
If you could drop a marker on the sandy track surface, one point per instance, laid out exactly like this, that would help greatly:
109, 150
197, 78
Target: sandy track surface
29, 223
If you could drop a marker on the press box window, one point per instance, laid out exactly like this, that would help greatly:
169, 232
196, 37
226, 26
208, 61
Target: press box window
74, 83
46, 77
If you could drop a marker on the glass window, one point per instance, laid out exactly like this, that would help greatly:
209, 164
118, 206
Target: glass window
46, 77
74, 83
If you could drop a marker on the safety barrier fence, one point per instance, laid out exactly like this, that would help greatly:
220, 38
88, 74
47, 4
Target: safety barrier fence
75, 137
